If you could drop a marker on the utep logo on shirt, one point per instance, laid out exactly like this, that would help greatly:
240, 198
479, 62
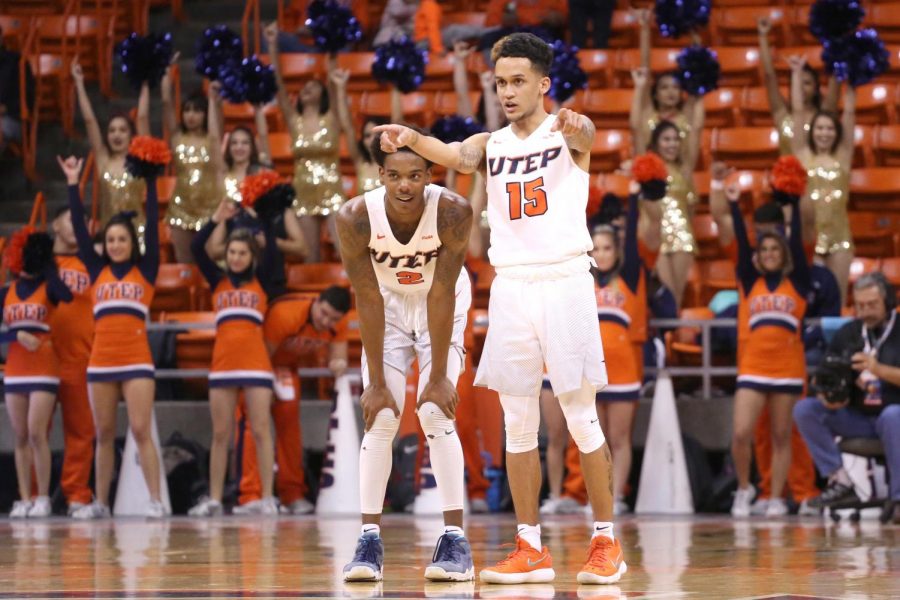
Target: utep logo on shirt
407, 261
119, 290
77, 281
528, 163
612, 298
237, 299
24, 311
772, 303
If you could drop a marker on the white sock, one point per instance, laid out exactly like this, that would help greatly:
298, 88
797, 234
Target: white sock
369, 528
375, 457
603, 528
531, 534
458, 531
841, 477
446, 454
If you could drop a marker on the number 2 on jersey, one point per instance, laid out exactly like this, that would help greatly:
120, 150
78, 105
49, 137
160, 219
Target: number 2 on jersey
409, 278
529, 197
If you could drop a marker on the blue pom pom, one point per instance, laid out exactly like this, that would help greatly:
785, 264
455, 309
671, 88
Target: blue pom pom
145, 58
333, 26
698, 70
455, 128
566, 74
857, 58
251, 81
400, 64
218, 49
831, 19
677, 17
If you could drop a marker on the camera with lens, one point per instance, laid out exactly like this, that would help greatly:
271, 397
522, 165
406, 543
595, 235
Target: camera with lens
835, 379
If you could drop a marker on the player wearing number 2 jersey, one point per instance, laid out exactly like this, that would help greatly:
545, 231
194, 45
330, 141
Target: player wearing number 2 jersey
403, 246
542, 309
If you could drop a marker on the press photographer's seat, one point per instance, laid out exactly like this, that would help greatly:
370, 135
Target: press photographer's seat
866, 448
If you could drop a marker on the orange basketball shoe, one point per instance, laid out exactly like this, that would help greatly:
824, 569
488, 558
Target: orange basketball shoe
606, 563
522, 565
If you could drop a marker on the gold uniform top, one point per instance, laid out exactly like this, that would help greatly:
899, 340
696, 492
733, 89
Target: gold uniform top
786, 135
317, 178
197, 193
677, 232
233, 188
367, 184
680, 121
122, 192
828, 188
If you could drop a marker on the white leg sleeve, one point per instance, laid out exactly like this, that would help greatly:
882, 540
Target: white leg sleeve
443, 442
376, 452
580, 409
522, 419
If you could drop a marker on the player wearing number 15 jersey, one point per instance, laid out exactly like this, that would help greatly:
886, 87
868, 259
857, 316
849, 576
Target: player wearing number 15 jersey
542, 308
403, 246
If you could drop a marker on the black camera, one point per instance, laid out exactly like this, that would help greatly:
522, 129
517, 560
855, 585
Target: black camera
835, 378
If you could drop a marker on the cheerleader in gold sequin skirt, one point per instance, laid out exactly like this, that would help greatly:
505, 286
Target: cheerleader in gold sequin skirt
315, 134
197, 162
827, 153
812, 98
117, 191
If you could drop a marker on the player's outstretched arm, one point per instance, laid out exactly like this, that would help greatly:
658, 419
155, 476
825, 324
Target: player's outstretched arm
578, 130
454, 225
465, 157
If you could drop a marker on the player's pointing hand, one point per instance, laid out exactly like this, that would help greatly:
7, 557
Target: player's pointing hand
395, 136
567, 122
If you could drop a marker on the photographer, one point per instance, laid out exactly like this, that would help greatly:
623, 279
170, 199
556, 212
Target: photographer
859, 392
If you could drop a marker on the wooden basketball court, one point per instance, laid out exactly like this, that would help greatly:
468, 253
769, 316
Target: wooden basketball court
301, 557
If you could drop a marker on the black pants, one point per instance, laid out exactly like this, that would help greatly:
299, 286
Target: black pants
599, 12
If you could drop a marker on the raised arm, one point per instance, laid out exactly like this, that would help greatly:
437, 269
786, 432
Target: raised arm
631, 261
150, 261
798, 142
339, 78
800, 275
216, 120
262, 135
493, 119
746, 272
641, 107
271, 254
777, 104
718, 203
465, 157
288, 112
57, 291
643, 18
208, 268
478, 201
832, 91
170, 120
454, 225
461, 52
848, 122
95, 137
143, 110
294, 245
691, 149
354, 231
71, 167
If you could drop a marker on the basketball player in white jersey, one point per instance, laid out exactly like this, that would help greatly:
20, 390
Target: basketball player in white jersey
542, 308
403, 246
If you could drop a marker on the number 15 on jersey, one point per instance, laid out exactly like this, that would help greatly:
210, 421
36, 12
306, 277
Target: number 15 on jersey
529, 198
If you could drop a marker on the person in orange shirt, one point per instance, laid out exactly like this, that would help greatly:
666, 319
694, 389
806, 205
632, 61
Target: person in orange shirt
296, 326
72, 331
427, 26
526, 13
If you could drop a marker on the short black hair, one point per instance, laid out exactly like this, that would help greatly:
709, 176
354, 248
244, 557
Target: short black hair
338, 297
379, 155
769, 213
525, 45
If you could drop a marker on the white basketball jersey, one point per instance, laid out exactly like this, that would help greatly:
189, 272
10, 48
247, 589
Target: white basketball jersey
537, 198
404, 268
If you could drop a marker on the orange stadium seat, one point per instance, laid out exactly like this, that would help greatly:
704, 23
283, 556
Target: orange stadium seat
707, 235
887, 146
15, 30
875, 104
165, 187
740, 66
863, 140
875, 189
613, 183
280, 149
609, 109
886, 19
315, 277
812, 54
860, 266
447, 103
893, 73
890, 266
737, 26
54, 97
242, 115
662, 60
755, 108
611, 147
715, 276
798, 25
875, 234
682, 344
746, 147
33, 7
416, 106
624, 30
438, 74
175, 289
360, 66
721, 107
472, 18
483, 274
298, 68
597, 66
87, 37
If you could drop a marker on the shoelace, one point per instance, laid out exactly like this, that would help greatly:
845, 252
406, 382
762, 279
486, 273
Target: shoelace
511, 556
448, 549
366, 551
599, 554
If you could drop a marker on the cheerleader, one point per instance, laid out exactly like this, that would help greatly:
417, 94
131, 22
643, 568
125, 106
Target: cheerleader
827, 153
120, 365
240, 358
774, 283
195, 143
31, 375
118, 190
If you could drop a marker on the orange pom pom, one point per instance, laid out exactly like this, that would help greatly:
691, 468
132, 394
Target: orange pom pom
150, 150
255, 186
647, 167
13, 255
789, 176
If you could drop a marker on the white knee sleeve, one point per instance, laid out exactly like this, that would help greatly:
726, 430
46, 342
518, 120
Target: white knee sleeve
580, 410
376, 452
522, 419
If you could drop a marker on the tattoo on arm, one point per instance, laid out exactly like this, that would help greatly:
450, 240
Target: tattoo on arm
470, 157
454, 223
584, 139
